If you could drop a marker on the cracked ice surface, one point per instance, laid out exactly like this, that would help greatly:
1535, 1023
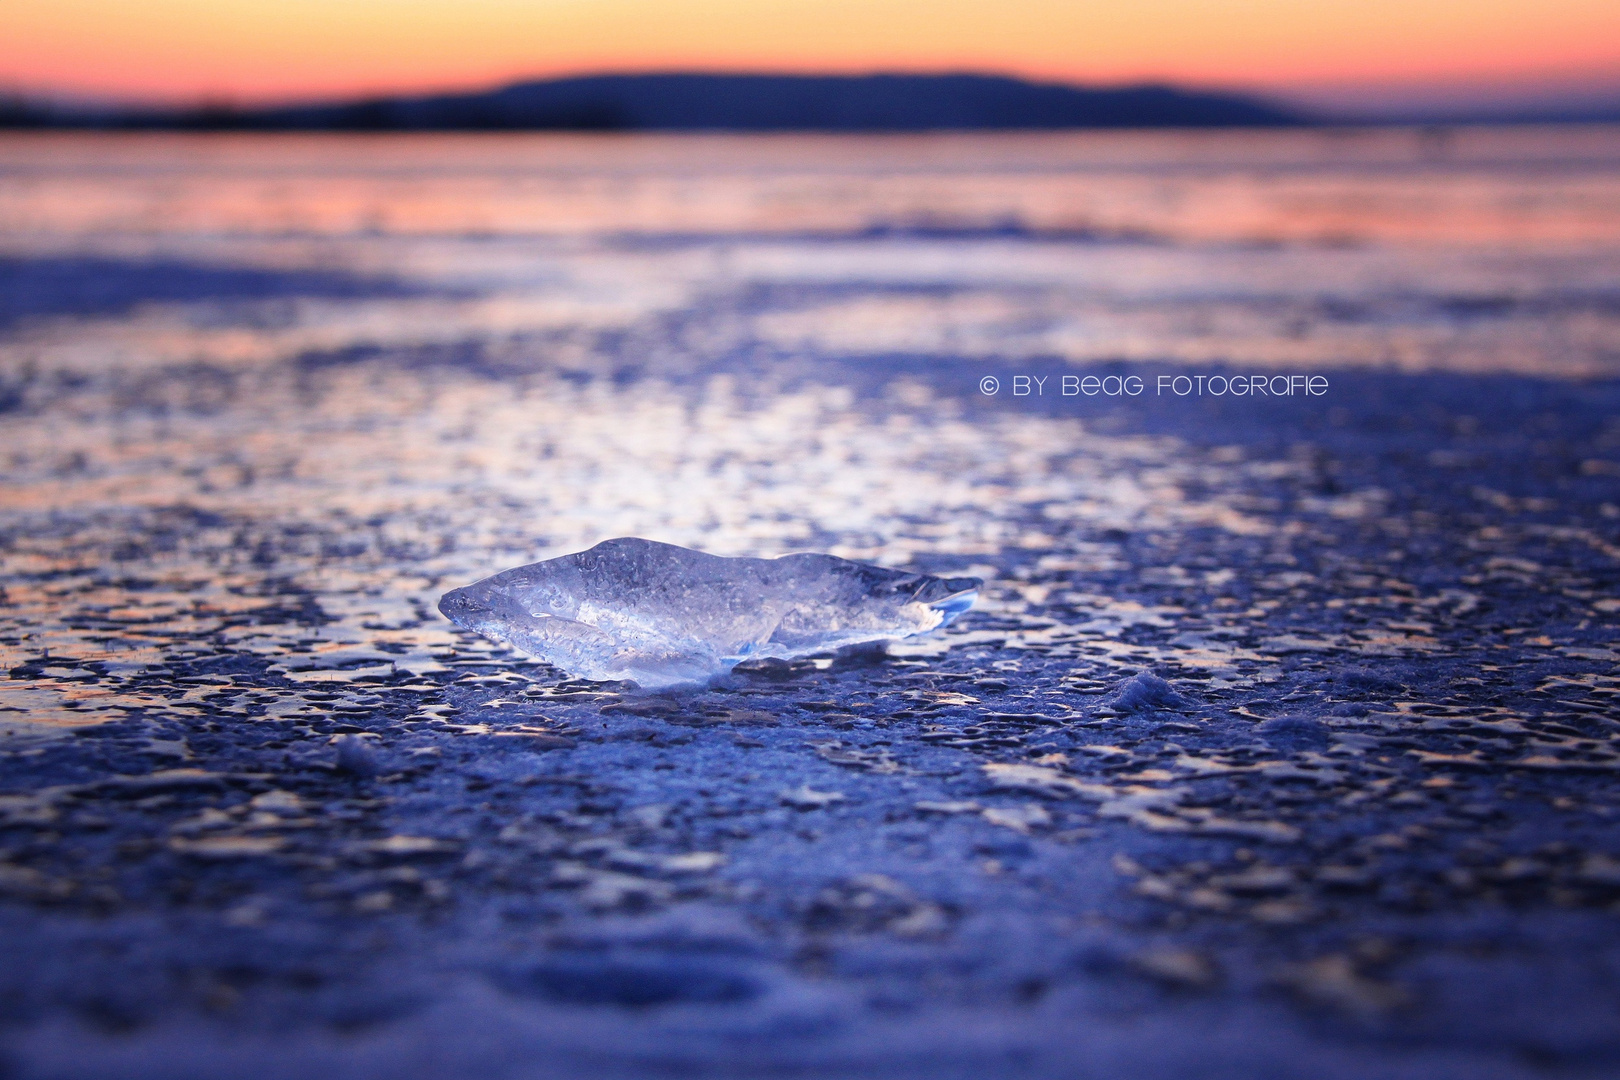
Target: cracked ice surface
1278, 743
661, 615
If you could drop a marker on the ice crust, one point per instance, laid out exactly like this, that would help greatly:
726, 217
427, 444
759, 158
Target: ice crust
661, 615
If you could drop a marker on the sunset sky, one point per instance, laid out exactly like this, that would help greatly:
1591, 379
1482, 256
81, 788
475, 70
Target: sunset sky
269, 50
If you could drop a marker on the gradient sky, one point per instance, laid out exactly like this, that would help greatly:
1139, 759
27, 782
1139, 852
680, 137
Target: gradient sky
266, 50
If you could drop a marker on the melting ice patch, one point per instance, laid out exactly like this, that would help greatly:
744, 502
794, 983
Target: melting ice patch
661, 615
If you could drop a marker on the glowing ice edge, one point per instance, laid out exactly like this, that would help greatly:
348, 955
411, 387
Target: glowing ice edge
661, 615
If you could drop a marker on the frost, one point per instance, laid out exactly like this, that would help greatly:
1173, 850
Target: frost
662, 615
1145, 691
805, 797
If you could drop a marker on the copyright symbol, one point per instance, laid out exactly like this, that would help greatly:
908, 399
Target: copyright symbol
989, 385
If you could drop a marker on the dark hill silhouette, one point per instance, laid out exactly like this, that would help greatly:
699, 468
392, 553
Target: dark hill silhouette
721, 102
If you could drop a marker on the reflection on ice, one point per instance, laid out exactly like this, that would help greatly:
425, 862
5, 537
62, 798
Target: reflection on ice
660, 615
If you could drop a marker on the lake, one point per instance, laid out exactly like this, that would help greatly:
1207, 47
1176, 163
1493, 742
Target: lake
1281, 736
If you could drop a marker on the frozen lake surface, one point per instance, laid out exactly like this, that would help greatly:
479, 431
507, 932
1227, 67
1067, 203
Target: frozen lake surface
1282, 741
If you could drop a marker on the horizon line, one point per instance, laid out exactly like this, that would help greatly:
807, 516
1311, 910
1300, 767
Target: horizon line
1307, 103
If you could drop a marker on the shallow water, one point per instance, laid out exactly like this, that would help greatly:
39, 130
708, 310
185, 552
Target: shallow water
266, 398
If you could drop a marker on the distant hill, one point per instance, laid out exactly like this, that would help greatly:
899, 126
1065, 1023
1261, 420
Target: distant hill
717, 102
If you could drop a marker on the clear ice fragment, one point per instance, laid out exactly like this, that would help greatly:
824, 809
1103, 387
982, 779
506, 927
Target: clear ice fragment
661, 615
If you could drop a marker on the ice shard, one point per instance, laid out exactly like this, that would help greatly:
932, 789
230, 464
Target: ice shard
661, 615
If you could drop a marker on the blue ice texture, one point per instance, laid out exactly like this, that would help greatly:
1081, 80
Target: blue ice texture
1145, 691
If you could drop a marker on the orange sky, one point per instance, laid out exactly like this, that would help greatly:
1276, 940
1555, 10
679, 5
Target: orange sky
259, 50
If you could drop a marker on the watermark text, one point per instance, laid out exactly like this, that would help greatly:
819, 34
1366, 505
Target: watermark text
1121, 386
